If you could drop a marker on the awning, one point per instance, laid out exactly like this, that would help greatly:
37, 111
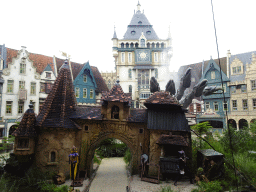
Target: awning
172, 140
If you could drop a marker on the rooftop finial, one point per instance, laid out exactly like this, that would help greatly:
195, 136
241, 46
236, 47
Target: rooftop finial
138, 6
114, 36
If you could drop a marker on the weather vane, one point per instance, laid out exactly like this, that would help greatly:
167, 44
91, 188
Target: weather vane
65, 55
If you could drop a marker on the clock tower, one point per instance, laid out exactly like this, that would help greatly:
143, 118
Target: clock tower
140, 55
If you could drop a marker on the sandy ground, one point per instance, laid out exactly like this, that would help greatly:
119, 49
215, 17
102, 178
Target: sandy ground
137, 185
111, 176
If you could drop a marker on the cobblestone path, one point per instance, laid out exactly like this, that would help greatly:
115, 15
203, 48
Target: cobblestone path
111, 176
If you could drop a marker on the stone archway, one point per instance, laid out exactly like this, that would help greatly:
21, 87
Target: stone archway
232, 122
242, 123
122, 137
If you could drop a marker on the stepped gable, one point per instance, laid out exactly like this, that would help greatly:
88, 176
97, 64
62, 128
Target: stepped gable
117, 94
39, 61
172, 140
162, 98
27, 124
60, 103
101, 85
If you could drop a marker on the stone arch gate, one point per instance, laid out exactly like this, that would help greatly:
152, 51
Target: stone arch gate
134, 135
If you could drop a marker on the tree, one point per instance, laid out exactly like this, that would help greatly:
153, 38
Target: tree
202, 128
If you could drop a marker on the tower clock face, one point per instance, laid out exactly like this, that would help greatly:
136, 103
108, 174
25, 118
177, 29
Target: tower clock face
143, 56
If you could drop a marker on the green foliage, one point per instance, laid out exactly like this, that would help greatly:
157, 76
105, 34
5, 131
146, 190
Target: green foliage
109, 148
213, 186
166, 189
96, 160
7, 184
201, 128
253, 127
127, 156
49, 187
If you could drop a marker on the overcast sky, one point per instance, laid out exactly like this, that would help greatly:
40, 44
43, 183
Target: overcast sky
84, 28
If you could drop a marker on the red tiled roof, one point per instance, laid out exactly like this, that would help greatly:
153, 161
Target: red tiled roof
162, 98
27, 125
39, 61
87, 112
60, 103
138, 115
116, 94
99, 80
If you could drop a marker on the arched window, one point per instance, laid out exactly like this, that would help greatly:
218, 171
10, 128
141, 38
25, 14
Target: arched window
157, 45
115, 112
53, 156
153, 45
130, 88
162, 45
136, 45
127, 45
122, 45
132, 45
142, 42
148, 45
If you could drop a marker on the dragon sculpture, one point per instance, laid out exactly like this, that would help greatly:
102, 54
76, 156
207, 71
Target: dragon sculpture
185, 83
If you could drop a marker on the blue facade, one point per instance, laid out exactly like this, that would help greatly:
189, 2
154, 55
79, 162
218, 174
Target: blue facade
85, 85
215, 102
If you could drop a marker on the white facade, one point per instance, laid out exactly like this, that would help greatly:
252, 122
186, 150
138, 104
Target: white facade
21, 87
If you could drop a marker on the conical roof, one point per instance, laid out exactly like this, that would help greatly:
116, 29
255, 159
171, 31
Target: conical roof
27, 124
60, 103
116, 94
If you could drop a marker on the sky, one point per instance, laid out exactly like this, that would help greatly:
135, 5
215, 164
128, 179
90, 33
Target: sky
84, 29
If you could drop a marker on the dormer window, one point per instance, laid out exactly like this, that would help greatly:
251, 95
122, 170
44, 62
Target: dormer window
48, 75
23, 143
236, 70
115, 112
133, 32
148, 32
85, 78
140, 22
142, 42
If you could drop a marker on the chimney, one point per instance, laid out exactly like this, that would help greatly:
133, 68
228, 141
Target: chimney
228, 59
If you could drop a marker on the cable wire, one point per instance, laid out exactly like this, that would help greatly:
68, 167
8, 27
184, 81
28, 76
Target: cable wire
230, 142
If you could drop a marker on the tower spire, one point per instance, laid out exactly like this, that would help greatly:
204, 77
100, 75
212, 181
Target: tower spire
138, 6
114, 36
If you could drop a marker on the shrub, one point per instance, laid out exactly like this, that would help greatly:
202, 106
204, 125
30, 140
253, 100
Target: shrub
213, 186
127, 156
166, 189
47, 187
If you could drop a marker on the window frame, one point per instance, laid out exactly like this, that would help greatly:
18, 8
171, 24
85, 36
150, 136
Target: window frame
10, 85
77, 92
20, 106
215, 103
8, 112
254, 104
253, 85
22, 83
213, 75
156, 56
91, 94
32, 88
245, 107
123, 57
84, 78
85, 91
129, 57
22, 68
234, 108
207, 105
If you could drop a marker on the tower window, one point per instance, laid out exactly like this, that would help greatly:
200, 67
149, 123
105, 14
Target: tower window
148, 32
140, 22
142, 42
115, 112
133, 32
53, 156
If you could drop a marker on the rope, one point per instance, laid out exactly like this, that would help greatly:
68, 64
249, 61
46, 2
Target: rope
231, 147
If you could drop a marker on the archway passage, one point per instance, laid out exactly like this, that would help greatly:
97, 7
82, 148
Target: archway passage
12, 129
108, 136
232, 122
243, 123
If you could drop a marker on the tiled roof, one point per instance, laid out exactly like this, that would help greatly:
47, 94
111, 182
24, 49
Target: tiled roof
116, 94
101, 85
138, 116
138, 24
87, 112
39, 61
172, 140
60, 103
162, 98
27, 125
